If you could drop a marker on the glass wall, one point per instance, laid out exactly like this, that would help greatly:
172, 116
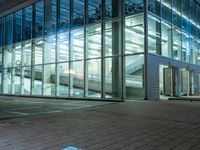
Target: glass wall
179, 28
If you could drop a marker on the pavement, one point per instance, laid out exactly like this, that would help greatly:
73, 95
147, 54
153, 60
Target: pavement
42, 124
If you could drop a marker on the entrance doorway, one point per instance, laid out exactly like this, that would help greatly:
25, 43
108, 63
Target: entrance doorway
168, 78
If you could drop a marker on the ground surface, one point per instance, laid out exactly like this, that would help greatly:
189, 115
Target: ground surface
37, 124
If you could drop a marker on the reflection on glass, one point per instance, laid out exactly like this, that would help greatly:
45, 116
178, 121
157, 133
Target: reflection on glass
7, 57
8, 30
27, 23
154, 6
93, 88
94, 41
77, 13
48, 82
17, 27
39, 18
94, 11
134, 34
63, 79
134, 76
176, 20
63, 23
77, 79
186, 50
166, 12
133, 6
50, 17
36, 80
77, 44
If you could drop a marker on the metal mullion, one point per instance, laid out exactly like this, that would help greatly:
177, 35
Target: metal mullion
146, 48
85, 51
43, 47
123, 84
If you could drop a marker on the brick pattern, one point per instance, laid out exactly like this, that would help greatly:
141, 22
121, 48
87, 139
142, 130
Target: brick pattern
124, 126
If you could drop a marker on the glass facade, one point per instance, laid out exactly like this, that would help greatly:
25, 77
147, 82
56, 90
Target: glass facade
93, 48
174, 29
79, 48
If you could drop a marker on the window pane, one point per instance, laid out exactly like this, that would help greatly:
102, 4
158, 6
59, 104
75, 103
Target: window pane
166, 39
134, 34
17, 55
133, 6
38, 51
7, 57
50, 16
113, 77
17, 80
49, 85
77, 13
17, 27
77, 44
176, 13
177, 45
63, 23
112, 38
154, 6
63, 79
134, 76
39, 19
112, 9
27, 23
9, 31
93, 88
77, 79
49, 50
166, 7
63, 47
36, 80
154, 43
94, 41
7, 76
26, 80
94, 11
27, 53
2, 32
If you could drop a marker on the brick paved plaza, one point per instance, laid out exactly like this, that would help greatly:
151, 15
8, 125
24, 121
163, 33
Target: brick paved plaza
36, 124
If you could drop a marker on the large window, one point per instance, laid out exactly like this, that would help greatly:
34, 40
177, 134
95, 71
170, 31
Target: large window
50, 16
77, 13
17, 27
154, 43
94, 41
134, 85
94, 11
166, 39
27, 34
63, 15
39, 19
77, 44
134, 34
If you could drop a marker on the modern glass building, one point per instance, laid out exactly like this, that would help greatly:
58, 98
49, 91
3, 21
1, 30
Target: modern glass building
100, 49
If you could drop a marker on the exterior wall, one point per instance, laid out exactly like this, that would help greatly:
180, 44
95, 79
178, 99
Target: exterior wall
153, 73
